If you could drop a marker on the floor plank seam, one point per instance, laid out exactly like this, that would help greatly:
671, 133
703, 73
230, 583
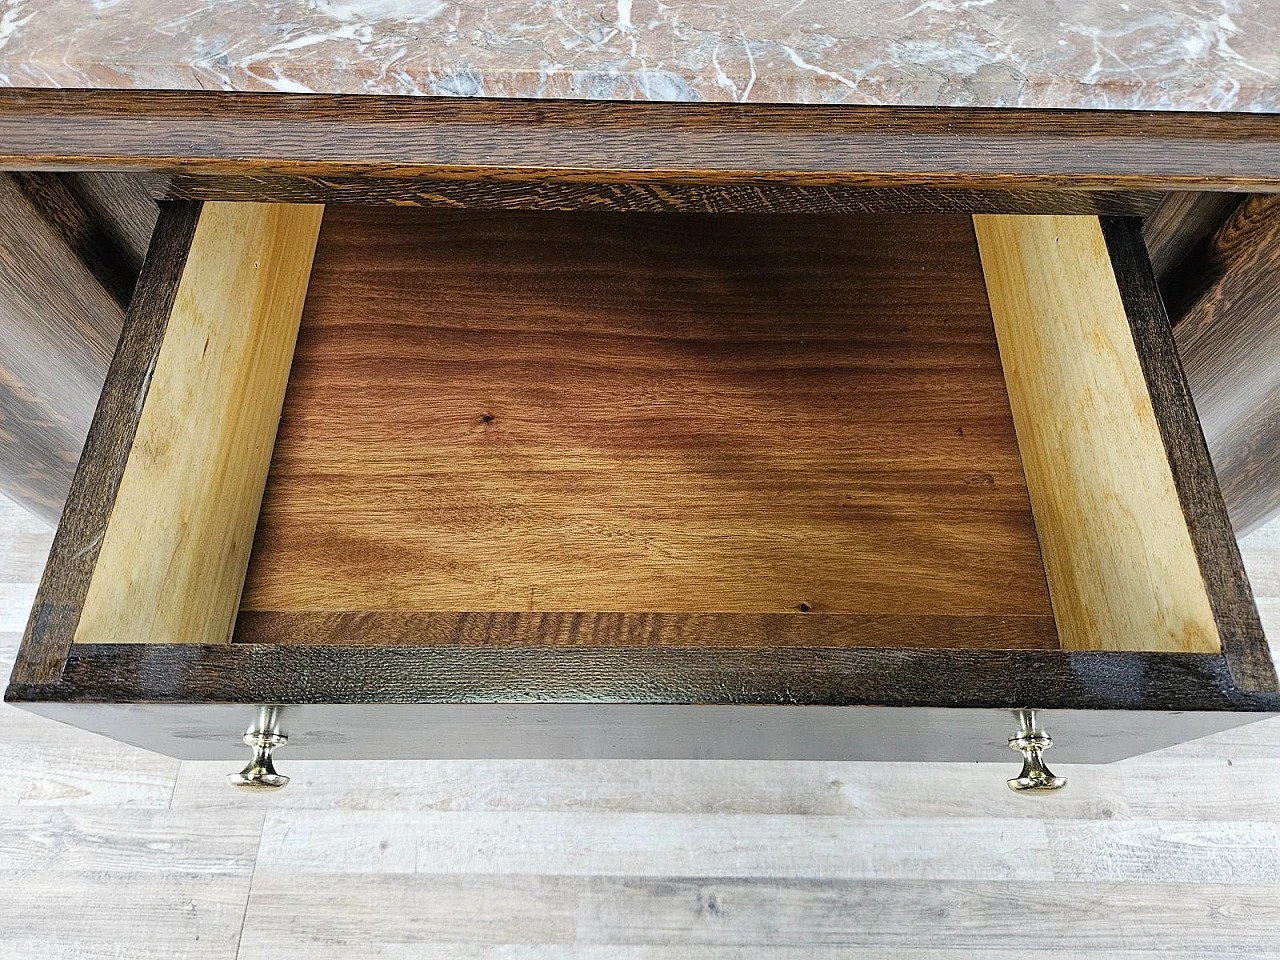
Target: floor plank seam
173, 790
253, 873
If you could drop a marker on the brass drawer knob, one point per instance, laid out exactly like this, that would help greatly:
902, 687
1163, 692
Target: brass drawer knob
1032, 742
260, 772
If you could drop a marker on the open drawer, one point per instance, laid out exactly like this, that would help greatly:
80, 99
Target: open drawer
423, 483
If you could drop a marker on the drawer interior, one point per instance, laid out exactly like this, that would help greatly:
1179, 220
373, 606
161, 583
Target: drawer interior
515, 412
508, 427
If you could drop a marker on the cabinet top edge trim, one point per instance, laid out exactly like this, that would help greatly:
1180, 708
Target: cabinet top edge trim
217, 133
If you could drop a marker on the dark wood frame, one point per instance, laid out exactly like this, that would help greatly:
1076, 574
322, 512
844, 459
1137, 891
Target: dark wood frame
1216, 256
1158, 698
637, 156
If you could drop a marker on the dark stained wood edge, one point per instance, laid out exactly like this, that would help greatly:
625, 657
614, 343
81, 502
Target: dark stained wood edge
56, 612
645, 629
553, 192
1227, 583
287, 674
1180, 226
99, 216
1215, 258
225, 133
59, 325
1227, 327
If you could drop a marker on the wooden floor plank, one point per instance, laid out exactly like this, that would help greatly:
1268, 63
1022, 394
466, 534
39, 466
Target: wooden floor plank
103, 915
643, 844
465, 951
766, 912
1245, 789
109, 881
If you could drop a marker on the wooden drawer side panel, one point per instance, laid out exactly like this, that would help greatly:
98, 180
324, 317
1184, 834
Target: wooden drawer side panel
56, 611
1122, 569
1239, 628
174, 552
159, 520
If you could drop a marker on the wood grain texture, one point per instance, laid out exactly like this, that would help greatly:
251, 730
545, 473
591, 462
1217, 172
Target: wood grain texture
1228, 332
56, 612
267, 134
358, 844
102, 686
750, 415
105, 218
53, 625
1225, 579
1018, 632
694, 913
1174, 230
123, 204
331, 858
171, 563
516, 190
192, 875
1122, 569
58, 328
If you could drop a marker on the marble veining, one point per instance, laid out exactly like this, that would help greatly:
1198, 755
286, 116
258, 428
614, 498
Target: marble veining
1152, 54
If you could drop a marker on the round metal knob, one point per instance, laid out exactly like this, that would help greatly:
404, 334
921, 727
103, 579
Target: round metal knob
1035, 776
260, 773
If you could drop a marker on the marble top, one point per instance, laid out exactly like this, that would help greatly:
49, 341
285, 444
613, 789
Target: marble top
1221, 55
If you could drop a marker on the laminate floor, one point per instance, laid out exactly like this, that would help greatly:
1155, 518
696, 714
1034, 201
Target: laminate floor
108, 851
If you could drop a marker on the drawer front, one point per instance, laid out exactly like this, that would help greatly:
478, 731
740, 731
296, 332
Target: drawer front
1123, 600
434, 731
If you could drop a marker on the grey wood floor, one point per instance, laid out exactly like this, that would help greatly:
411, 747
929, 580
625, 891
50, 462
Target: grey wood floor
107, 851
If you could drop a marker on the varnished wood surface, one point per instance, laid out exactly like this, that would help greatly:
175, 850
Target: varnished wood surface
268, 134
549, 190
1228, 333
647, 629
56, 612
69, 256
174, 548
105, 218
1123, 572
1205, 512
183, 688
1175, 229
613, 860
58, 327
648, 414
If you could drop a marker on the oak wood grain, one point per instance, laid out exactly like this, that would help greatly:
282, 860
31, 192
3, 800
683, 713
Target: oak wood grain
173, 551
198, 689
1175, 229
267, 134
1122, 569
58, 328
517, 189
1228, 333
753, 415
742, 630
56, 611
1226, 581
106, 218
